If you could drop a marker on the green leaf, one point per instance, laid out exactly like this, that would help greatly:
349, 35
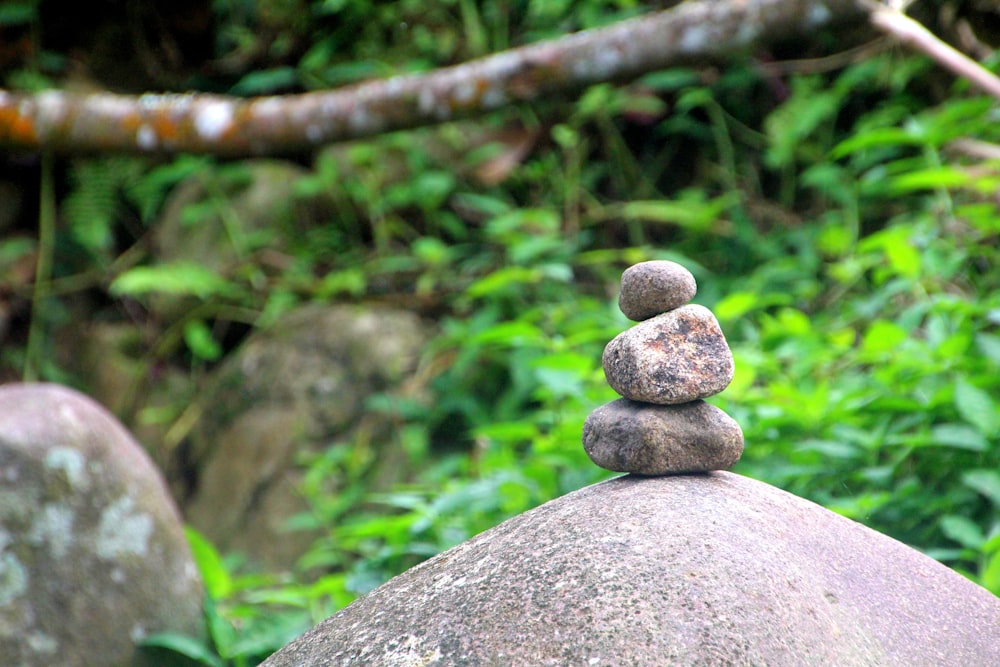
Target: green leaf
432, 250
185, 646
735, 305
990, 345
533, 220
879, 137
14, 249
691, 210
91, 208
831, 448
559, 381
990, 574
18, 13
835, 240
962, 530
269, 636
502, 280
342, 74
811, 105
179, 278
349, 281
262, 82
904, 258
957, 118
959, 436
147, 193
669, 212
669, 79
508, 432
481, 204
514, 333
986, 482
931, 179
198, 337
221, 631
433, 188
976, 407
218, 583
896, 243
883, 336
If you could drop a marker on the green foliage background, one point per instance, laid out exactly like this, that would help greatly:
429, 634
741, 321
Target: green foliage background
835, 218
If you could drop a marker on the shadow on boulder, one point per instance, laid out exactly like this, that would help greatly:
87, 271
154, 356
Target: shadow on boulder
711, 569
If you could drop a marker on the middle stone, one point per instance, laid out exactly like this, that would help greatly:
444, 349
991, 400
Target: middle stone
676, 357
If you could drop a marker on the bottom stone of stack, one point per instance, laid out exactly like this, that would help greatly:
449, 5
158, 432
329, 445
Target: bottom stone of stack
647, 439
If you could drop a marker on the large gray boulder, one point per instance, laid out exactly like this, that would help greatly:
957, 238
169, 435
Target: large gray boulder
294, 389
711, 569
93, 556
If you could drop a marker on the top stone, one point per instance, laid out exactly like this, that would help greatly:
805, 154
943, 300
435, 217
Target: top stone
652, 288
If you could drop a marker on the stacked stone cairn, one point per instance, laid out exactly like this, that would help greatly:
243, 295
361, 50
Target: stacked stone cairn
663, 367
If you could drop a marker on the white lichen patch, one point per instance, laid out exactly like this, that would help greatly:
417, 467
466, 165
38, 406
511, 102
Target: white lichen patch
123, 530
13, 578
504, 64
818, 14
148, 101
428, 105
53, 528
433, 100
494, 97
605, 64
445, 580
409, 653
363, 119
314, 133
213, 120
138, 633
70, 462
465, 92
358, 119
328, 108
18, 505
145, 138
51, 106
394, 86
107, 105
267, 110
747, 32
42, 644
68, 419
694, 40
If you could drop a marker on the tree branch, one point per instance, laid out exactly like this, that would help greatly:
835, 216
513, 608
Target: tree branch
696, 30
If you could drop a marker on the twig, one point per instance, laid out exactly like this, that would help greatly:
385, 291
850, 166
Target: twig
834, 61
892, 21
34, 353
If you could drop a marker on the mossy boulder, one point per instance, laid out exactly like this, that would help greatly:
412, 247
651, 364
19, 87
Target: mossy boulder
93, 556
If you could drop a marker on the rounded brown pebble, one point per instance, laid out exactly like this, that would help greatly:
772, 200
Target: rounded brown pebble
672, 358
651, 288
626, 436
